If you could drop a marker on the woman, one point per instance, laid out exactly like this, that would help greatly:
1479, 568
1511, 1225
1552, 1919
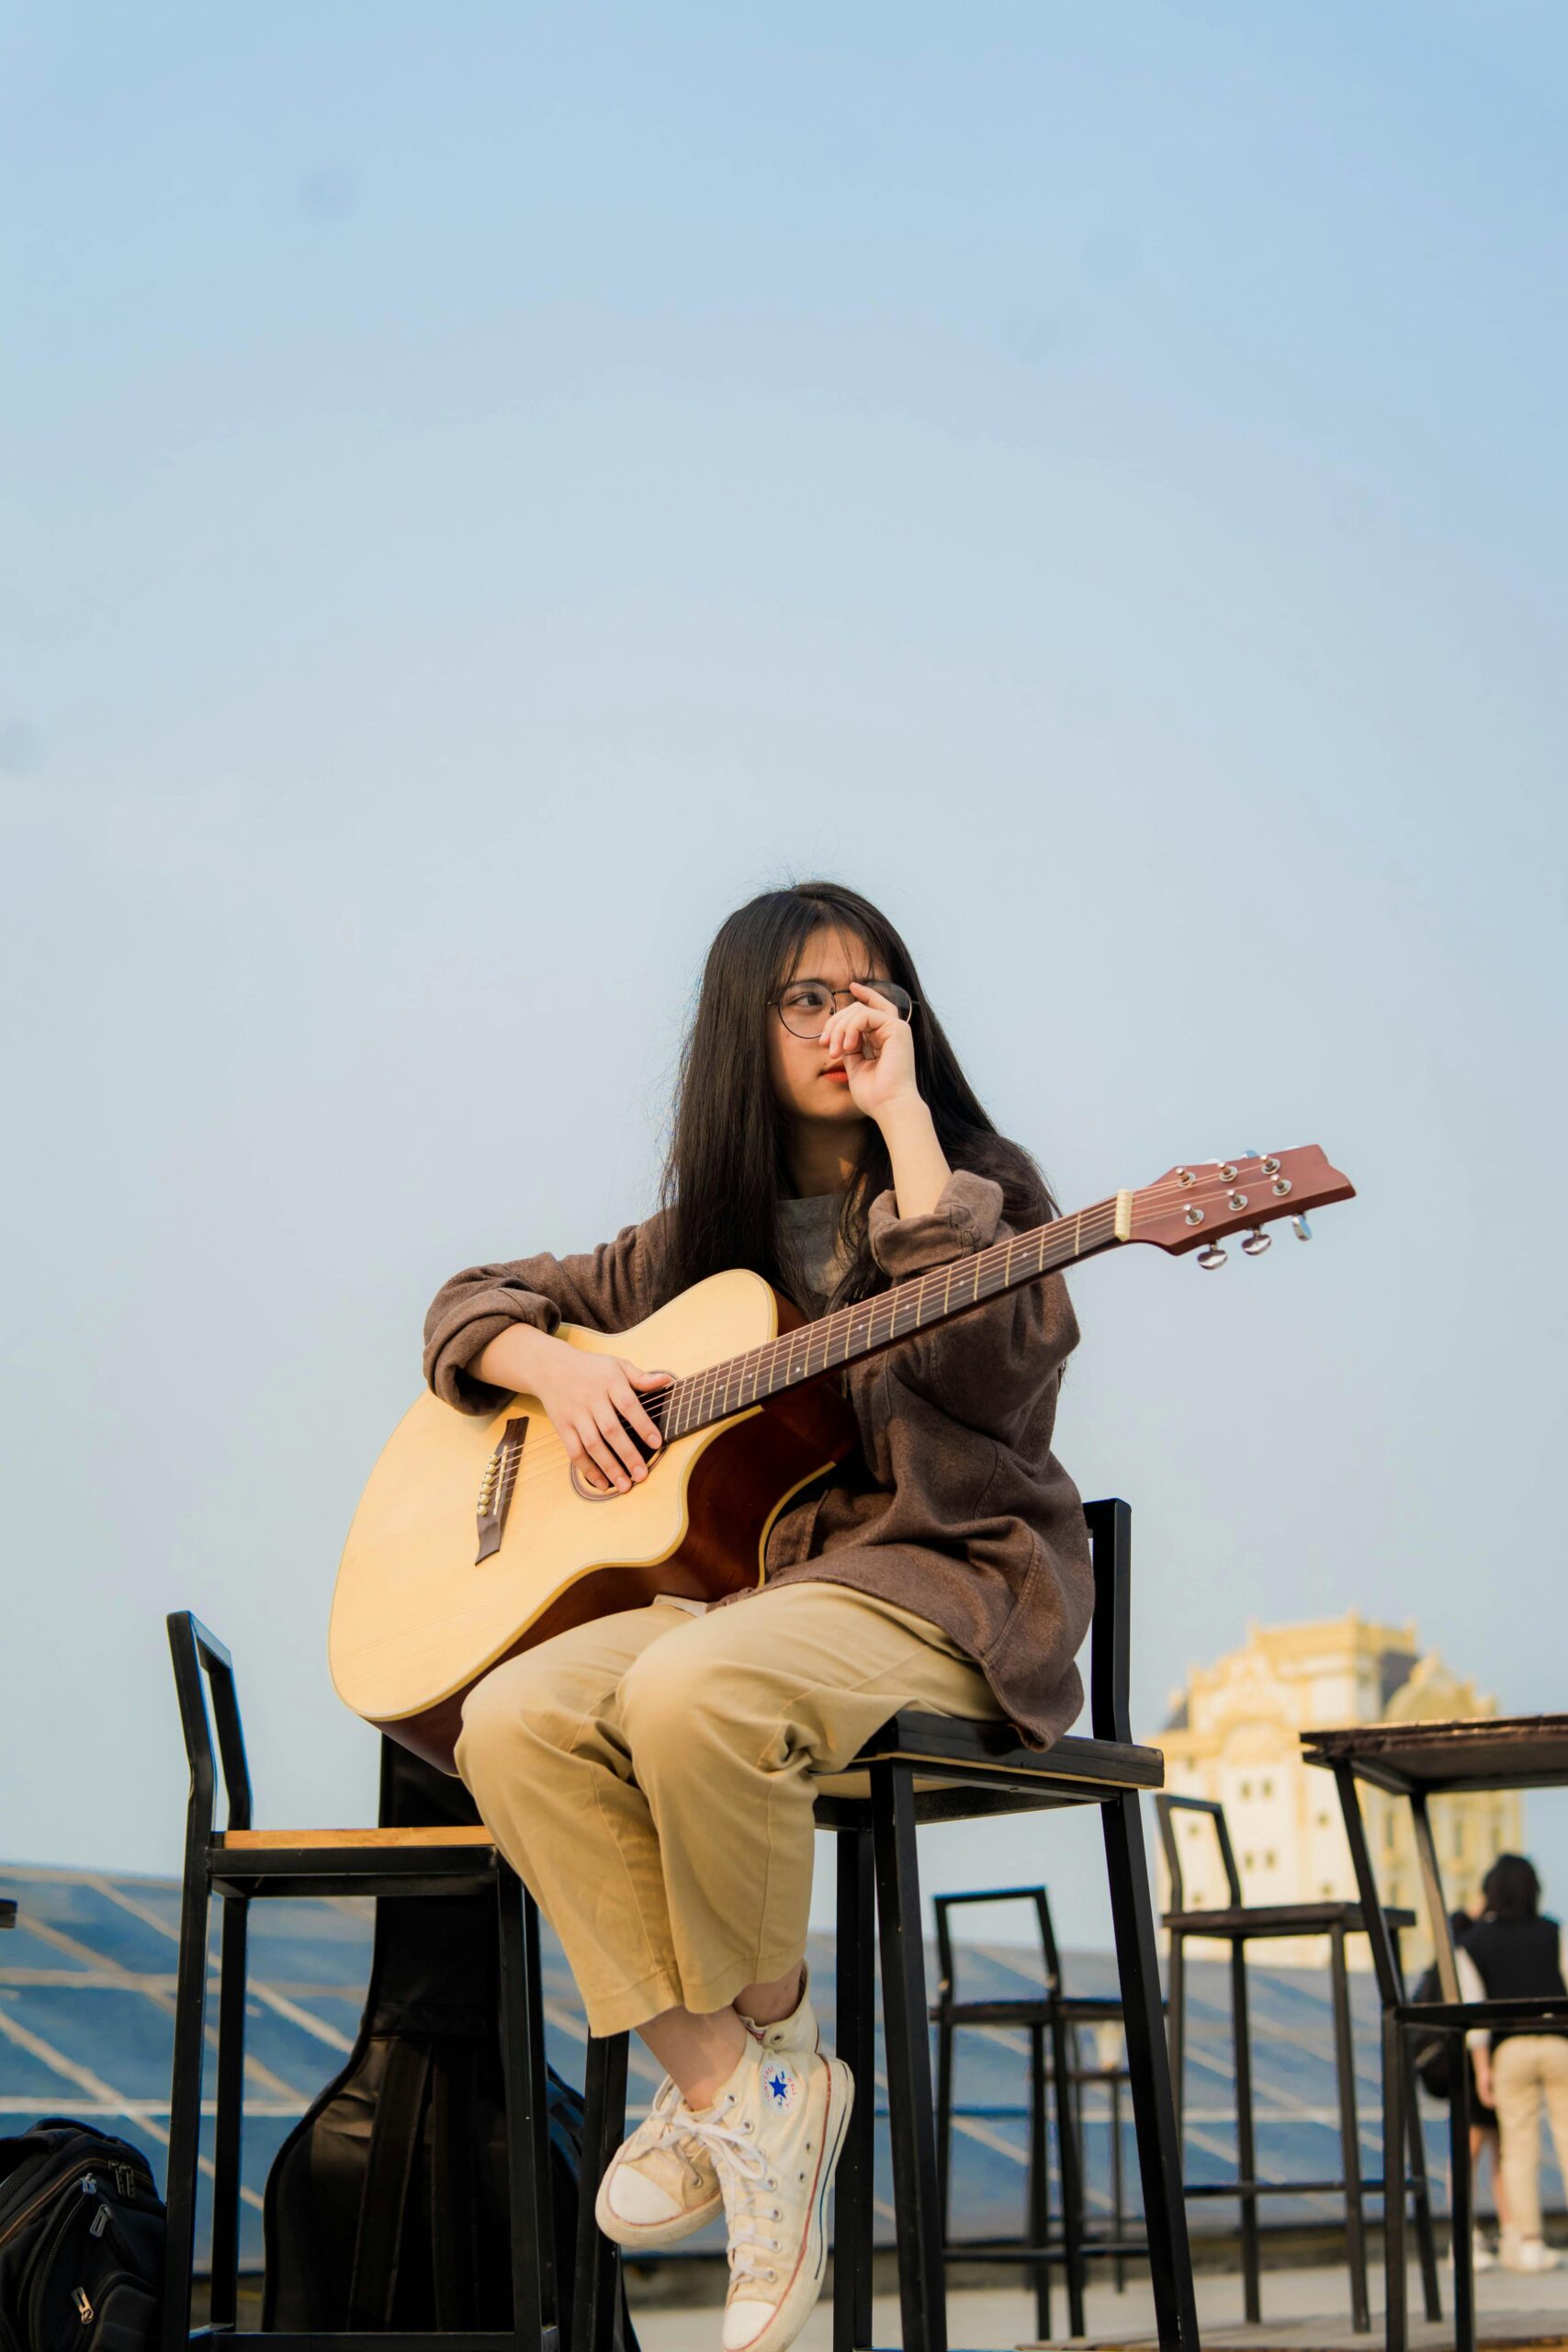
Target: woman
649, 1774
1512, 1953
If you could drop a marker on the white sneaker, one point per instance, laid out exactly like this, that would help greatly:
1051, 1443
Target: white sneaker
775, 2135
1528, 2253
660, 2186
1482, 2257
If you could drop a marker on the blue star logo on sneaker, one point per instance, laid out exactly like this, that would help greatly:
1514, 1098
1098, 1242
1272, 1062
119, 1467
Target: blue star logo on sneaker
782, 2085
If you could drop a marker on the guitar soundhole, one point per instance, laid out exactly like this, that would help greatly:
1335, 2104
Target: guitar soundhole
605, 1494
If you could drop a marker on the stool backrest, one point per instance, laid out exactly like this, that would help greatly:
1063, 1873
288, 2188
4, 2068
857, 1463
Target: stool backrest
1110, 1525
196, 1652
947, 1989
1164, 1807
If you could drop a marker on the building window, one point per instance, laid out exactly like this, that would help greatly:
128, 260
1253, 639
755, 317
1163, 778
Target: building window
1247, 1788
1268, 1788
1248, 1861
1326, 1888
1269, 1860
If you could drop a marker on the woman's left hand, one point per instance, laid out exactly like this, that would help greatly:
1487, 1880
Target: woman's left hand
877, 1050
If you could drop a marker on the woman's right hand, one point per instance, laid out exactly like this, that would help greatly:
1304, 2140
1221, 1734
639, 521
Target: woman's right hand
593, 1404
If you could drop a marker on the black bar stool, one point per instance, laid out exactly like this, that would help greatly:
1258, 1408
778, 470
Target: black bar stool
1236, 1924
942, 1768
1057, 2018
241, 1865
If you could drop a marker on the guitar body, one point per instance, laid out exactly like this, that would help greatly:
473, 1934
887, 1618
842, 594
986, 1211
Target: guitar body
417, 1617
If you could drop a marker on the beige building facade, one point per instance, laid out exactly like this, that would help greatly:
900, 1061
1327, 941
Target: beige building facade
1234, 1735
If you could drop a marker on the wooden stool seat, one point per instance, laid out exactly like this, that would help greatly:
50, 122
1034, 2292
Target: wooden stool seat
975, 1760
345, 1841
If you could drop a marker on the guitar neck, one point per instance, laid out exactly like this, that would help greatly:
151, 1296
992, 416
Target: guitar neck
872, 1324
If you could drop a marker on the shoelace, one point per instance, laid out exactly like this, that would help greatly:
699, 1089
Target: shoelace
664, 2131
745, 2179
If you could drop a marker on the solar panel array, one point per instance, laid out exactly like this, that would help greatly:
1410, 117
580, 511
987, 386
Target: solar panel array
86, 2014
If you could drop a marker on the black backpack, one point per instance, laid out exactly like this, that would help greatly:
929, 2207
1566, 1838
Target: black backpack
1434, 2058
386, 2206
80, 2242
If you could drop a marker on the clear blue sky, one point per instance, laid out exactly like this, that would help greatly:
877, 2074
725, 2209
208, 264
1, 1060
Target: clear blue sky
486, 489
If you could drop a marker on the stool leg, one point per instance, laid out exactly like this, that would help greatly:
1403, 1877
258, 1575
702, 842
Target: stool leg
1038, 2190
1461, 2203
604, 2128
1421, 2198
1413, 2181
1177, 2022
185, 2106
1069, 2168
1349, 2137
921, 2294
1118, 2184
231, 2070
855, 2037
1245, 2135
533, 2313
945, 2038
1148, 2074
1396, 2329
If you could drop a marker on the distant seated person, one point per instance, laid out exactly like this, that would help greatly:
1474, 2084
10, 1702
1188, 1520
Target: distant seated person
1512, 1953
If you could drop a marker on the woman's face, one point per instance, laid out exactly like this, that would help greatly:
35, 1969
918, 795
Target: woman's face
800, 1068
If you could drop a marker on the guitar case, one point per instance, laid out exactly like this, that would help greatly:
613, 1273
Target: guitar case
386, 2205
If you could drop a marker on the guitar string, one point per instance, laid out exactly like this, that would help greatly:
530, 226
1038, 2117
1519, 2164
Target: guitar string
736, 1367
656, 1404
839, 1326
900, 1294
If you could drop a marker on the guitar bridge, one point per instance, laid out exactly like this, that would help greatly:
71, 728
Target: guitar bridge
496, 1485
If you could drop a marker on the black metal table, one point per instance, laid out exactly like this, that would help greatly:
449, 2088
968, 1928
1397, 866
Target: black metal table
1420, 1761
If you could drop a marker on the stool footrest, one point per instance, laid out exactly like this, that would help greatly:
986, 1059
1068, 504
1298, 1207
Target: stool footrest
1053, 2250
366, 2340
1264, 2187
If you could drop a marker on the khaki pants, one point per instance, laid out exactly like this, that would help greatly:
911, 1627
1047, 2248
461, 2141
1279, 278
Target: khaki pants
1528, 2069
648, 1776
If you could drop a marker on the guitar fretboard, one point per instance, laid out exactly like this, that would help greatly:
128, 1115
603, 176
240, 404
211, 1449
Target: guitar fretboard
871, 1324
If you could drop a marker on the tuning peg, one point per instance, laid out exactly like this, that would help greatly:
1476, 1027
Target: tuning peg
1212, 1259
1256, 1242
1301, 1229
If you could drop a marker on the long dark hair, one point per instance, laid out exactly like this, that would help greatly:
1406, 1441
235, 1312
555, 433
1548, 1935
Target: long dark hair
728, 1168
1511, 1889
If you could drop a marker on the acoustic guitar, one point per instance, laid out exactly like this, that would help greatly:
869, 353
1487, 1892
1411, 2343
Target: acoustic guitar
477, 1537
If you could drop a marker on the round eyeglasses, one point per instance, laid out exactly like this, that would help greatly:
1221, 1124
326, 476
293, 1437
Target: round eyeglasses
807, 1006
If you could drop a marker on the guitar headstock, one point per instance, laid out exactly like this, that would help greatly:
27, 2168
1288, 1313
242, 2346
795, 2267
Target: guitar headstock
1195, 1206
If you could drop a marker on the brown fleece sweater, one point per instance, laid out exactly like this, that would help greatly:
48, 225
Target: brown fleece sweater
954, 1504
